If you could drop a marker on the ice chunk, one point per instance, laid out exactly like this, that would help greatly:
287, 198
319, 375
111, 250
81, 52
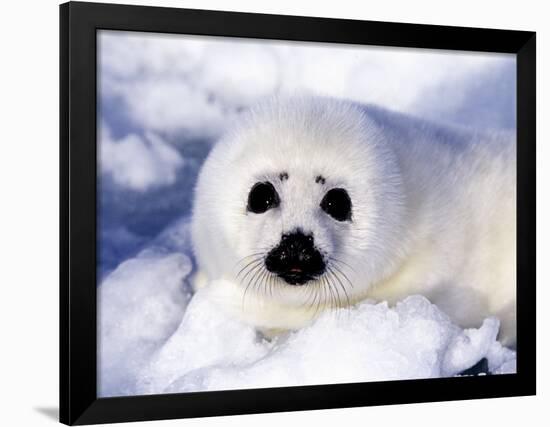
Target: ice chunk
138, 163
206, 338
140, 304
370, 342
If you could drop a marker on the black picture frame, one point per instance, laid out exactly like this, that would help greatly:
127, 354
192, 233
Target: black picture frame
79, 22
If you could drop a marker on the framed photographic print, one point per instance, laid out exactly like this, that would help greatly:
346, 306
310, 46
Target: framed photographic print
268, 213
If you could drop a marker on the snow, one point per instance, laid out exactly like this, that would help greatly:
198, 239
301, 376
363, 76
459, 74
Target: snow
195, 85
139, 163
140, 305
153, 339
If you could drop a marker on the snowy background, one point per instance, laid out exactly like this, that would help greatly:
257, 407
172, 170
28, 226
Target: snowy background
163, 101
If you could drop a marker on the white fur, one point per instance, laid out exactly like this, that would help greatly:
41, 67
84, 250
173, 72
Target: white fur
433, 213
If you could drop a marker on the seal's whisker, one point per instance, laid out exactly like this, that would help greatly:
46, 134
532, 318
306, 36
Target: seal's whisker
253, 262
319, 301
272, 279
341, 284
256, 255
257, 287
330, 274
334, 298
325, 290
322, 288
313, 295
342, 273
328, 291
348, 301
259, 271
339, 261
310, 291
264, 278
256, 267
253, 266
337, 297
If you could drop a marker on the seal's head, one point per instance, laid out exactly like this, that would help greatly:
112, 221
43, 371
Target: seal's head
300, 205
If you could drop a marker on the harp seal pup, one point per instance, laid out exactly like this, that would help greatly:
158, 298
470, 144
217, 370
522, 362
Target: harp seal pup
312, 203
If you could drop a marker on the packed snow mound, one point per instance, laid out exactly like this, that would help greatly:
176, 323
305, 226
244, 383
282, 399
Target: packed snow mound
143, 353
140, 305
370, 342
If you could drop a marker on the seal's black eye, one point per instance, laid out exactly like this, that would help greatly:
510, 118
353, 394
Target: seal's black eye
262, 197
337, 204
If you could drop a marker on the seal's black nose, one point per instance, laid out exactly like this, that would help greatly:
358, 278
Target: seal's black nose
295, 259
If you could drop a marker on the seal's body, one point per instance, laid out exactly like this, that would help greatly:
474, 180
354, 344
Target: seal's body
313, 203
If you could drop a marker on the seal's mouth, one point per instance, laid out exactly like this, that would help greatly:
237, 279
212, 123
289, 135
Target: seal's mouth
296, 277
